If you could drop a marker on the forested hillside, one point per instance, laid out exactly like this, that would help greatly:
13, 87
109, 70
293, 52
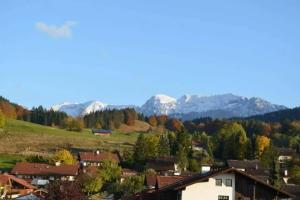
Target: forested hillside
288, 114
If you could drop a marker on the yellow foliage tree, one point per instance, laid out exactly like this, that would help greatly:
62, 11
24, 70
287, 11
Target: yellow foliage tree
262, 142
2, 119
63, 156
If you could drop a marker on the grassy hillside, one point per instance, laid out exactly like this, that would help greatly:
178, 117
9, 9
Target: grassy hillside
27, 138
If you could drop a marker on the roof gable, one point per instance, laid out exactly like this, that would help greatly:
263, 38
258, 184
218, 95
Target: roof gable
182, 183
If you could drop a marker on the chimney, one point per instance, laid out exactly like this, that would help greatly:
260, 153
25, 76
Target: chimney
97, 152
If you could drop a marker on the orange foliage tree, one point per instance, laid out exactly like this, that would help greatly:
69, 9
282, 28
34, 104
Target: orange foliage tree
262, 143
152, 120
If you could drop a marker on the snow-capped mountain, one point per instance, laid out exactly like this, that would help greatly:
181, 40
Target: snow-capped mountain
185, 107
81, 109
217, 106
159, 105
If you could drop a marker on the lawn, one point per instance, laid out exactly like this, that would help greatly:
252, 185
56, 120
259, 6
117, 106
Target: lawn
7, 161
28, 138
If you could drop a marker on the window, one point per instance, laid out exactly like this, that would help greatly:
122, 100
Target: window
220, 197
218, 182
228, 182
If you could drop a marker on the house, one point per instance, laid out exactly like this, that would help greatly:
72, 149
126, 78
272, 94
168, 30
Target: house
226, 184
101, 132
252, 167
95, 158
14, 187
127, 173
285, 154
156, 182
163, 165
41, 174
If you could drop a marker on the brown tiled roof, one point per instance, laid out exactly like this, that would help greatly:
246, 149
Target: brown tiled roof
92, 156
4, 180
161, 181
167, 180
24, 168
150, 180
8, 179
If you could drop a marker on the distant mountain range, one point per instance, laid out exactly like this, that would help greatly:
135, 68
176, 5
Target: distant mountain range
186, 107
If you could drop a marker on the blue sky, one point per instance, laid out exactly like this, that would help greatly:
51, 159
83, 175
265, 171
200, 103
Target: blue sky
123, 52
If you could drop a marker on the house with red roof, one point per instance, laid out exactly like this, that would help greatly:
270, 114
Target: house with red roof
41, 174
95, 158
225, 184
13, 187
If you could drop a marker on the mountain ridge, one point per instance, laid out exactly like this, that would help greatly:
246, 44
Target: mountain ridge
185, 107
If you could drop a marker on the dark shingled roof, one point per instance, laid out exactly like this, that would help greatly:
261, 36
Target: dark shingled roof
293, 189
244, 164
161, 163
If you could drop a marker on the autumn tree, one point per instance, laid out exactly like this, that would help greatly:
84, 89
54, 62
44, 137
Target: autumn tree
63, 156
74, 124
130, 116
262, 143
8, 109
161, 119
174, 125
2, 119
152, 120
91, 184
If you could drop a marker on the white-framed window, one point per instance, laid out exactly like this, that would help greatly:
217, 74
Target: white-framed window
222, 197
218, 182
228, 182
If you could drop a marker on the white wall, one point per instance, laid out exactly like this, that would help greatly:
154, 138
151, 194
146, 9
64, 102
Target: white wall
209, 190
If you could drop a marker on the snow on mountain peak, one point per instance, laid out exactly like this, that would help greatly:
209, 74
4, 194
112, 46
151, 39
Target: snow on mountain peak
164, 98
224, 105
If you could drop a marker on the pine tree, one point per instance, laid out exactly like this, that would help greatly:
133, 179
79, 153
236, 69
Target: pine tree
181, 158
164, 146
275, 174
139, 149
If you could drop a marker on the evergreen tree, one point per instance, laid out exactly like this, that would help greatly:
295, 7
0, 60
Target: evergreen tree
164, 146
275, 174
139, 149
181, 158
